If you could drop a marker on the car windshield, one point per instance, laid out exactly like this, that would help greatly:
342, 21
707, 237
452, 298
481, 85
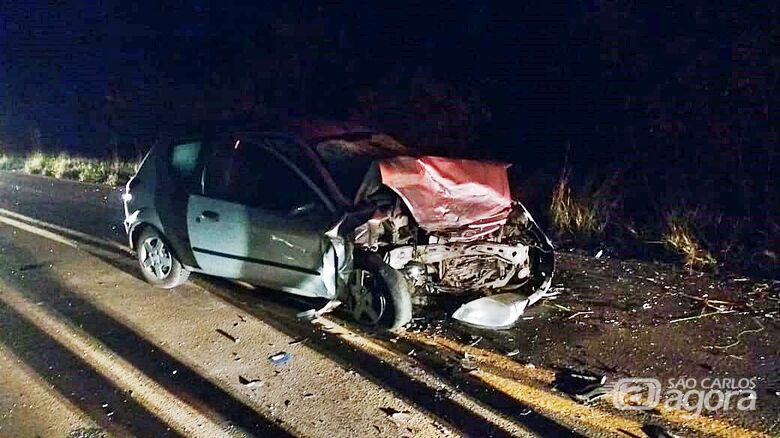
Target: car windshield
348, 159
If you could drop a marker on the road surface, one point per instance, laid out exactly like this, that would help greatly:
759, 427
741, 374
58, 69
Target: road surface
90, 349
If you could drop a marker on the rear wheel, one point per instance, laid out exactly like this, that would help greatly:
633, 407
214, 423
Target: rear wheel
158, 264
379, 296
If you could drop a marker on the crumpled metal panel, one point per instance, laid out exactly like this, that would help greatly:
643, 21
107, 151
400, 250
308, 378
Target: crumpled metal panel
445, 194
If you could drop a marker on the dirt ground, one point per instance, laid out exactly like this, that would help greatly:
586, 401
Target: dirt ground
622, 318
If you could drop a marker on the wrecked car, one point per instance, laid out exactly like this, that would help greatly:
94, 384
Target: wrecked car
337, 211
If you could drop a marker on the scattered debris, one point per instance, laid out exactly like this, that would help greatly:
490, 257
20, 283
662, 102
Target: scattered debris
583, 387
249, 382
396, 415
32, 266
93, 432
739, 337
280, 358
576, 314
467, 363
655, 431
599, 254
514, 352
227, 335
298, 341
312, 314
308, 395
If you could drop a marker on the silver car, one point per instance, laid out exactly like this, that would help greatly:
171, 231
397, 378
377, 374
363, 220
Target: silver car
337, 211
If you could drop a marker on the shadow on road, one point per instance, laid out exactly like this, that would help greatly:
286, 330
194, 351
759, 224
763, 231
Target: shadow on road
187, 384
279, 310
76, 380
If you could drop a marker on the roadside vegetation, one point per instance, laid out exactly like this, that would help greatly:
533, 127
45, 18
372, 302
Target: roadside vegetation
99, 171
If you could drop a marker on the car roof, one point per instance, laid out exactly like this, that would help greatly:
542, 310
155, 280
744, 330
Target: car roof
307, 129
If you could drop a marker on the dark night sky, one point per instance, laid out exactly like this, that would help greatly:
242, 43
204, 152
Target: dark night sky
86, 73
656, 107
60, 58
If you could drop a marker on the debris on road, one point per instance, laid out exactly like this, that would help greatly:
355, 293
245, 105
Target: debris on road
32, 266
249, 382
396, 415
227, 335
298, 341
654, 431
468, 364
312, 314
280, 358
583, 387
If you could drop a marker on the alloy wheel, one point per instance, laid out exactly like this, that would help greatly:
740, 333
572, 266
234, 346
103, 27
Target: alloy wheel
155, 258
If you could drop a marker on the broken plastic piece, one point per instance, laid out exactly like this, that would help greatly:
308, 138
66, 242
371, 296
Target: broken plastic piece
581, 386
249, 382
312, 314
280, 358
499, 311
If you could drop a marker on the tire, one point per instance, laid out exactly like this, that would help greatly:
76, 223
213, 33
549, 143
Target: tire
162, 269
391, 287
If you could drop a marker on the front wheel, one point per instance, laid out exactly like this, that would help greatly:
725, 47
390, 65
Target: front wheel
158, 264
378, 296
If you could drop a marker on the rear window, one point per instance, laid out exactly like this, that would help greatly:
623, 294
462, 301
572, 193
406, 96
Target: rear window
184, 159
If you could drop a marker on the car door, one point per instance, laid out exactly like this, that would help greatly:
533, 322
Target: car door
257, 220
179, 170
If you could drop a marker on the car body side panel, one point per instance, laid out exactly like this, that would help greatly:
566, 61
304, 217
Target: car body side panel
257, 246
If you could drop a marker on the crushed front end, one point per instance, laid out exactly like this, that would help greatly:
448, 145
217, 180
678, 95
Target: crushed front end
451, 227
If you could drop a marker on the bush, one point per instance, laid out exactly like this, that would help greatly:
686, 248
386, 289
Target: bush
111, 172
577, 216
37, 163
10, 162
681, 239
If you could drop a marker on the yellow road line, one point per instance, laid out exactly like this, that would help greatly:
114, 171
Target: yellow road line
521, 383
402, 364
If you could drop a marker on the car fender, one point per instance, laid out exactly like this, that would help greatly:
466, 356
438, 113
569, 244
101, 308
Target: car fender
137, 219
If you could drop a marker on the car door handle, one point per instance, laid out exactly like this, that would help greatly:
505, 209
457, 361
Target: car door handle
208, 215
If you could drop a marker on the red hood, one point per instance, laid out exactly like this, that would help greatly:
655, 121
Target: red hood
444, 194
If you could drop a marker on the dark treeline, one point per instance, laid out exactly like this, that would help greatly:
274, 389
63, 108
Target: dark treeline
655, 109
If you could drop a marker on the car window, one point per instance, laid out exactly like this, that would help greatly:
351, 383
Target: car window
184, 162
251, 175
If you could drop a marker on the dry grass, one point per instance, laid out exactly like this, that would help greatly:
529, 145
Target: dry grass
680, 238
578, 216
110, 172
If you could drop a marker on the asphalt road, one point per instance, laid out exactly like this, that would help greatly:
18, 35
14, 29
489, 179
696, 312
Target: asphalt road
89, 348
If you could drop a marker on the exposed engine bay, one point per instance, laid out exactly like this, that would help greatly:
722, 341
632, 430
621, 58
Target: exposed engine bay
451, 227
448, 225
500, 261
